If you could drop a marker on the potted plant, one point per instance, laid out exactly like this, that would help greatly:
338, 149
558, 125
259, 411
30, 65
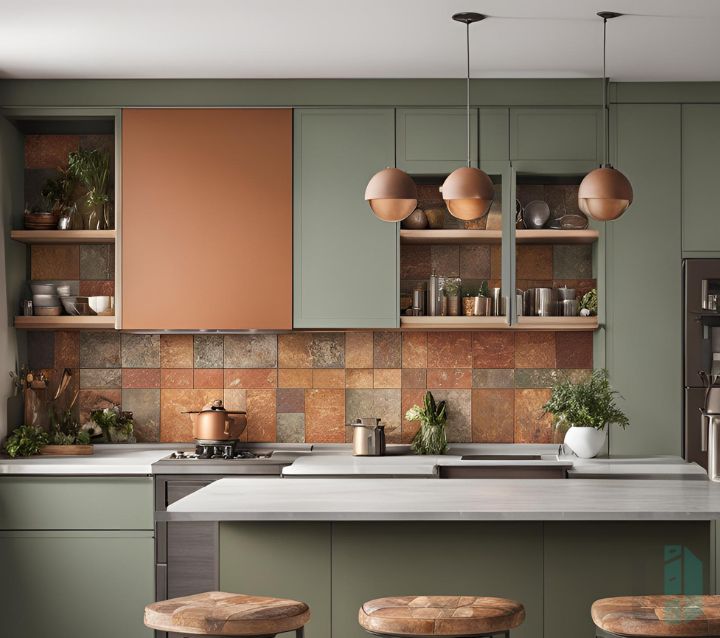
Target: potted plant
116, 425
589, 304
452, 292
26, 440
585, 408
431, 438
483, 303
92, 169
66, 437
469, 297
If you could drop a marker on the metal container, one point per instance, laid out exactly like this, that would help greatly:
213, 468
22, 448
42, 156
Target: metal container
368, 436
482, 307
569, 307
498, 302
433, 295
545, 302
529, 302
418, 307
566, 293
214, 423
710, 443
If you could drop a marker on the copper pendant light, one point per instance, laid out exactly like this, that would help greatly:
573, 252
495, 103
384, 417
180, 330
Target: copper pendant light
392, 195
468, 192
605, 193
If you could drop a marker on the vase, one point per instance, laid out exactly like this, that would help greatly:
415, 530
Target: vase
586, 442
468, 306
453, 306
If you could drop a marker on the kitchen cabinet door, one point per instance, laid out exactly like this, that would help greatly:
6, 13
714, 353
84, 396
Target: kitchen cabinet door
206, 229
700, 141
79, 584
346, 260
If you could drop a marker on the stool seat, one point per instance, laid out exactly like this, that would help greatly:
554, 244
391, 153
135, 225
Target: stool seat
659, 616
216, 613
440, 615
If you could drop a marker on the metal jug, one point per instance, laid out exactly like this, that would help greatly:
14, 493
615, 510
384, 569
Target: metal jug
368, 437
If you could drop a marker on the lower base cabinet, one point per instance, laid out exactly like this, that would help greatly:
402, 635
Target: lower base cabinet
75, 584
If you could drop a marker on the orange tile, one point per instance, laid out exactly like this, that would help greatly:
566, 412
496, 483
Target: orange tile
176, 378
493, 349
414, 378
387, 349
295, 350
534, 261
49, 151
141, 378
535, 350
531, 425
449, 350
250, 378
91, 288
261, 415
358, 378
207, 378
67, 349
55, 261
176, 351
573, 349
493, 415
359, 350
328, 378
387, 378
414, 349
449, 377
495, 263
174, 425
325, 415
294, 378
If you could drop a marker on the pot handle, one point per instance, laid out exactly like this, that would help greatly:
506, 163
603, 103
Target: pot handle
227, 425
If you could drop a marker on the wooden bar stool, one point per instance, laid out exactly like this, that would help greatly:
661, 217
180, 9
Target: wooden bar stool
215, 613
657, 616
425, 616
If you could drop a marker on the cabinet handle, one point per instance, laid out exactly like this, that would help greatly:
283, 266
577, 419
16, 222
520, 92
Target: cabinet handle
704, 432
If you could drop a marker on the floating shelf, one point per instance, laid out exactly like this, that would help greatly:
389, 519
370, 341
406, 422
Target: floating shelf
64, 236
557, 323
499, 323
460, 236
65, 323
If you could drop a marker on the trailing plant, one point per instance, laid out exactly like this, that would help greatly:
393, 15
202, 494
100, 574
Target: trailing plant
431, 438
26, 440
589, 303
92, 169
590, 403
117, 426
484, 289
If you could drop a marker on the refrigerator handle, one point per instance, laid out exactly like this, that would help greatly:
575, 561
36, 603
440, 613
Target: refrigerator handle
703, 433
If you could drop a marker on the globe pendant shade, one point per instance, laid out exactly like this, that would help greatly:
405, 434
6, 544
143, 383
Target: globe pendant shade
392, 195
468, 193
605, 194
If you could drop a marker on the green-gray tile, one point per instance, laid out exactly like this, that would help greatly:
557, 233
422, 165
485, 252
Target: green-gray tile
383, 403
100, 349
572, 262
493, 378
291, 427
145, 406
459, 413
100, 378
208, 351
140, 351
97, 261
547, 377
250, 351
327, 350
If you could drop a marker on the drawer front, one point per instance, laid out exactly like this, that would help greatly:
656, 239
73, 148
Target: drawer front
73, 503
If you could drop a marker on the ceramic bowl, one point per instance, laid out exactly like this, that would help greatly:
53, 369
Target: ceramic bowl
45, 301
42, 289
102, 304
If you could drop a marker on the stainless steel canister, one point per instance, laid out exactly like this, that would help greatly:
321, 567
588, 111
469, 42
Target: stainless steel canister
545, 304
433, 295
529, 302
569, 307
418, 307
498, 302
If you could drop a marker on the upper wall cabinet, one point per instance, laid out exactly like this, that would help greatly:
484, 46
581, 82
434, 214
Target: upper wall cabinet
556, 135
346, 260
206, 224
700, 142
494, 135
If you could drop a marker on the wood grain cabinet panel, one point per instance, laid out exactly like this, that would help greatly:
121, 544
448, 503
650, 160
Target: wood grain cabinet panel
207, 219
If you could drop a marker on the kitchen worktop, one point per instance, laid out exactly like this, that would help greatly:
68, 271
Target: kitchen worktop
106, 460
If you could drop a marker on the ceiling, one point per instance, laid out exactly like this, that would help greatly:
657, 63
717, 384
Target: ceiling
658, 40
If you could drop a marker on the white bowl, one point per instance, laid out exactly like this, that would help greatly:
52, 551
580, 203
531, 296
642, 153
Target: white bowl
102, 304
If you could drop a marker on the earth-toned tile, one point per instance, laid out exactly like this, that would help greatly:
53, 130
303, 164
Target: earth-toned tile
328, 378
57, 261
572, 262
176, 378
208, 378
34, 181
327, 350
535, 349
100, 349
459, 411
291, 428
414, 349
359, 349
91, 287
449, 377
387, 349
174, 425
495, 263
475, 261
574, 349
449, 350
250, 351
531, 426
97, 261
141, 378
40, 349
415, 261
100, 378
534, 261
250, 378
493, 415
261, 416
493, 378
101, 141
294, 350
582, 286
445, 260
536, 377
493, 349
140, 351
410, 398
145, 406
67, 349
325, 415
208, 351
235, 399
414, 378
385, 404
97, 399
176, 351
49, 151
294, 378
291, 400
359, 377
387, 378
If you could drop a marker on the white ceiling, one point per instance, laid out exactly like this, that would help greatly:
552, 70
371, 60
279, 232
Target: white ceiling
658, 39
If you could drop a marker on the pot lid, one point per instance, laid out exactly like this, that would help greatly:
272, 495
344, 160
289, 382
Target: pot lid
215, 406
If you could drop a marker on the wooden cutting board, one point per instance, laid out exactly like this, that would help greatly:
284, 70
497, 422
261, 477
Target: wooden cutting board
66, 450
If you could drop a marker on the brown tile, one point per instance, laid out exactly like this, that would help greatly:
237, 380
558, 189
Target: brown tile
414, 349
445, 260
409, 399
574, 349
100, 349
67, 349
261, 415
294, 378
474, 261
531, 426
176, 378
385, 403
174, 425
94, 399
291, 400
49, 151
55, 261
325, 416
495, 263
415, 262
359, 378
449, 377
535, 349
294, 350
291, 427
534, 261
208, 378
250, 378
493, 413
176, 351
386, 378
141, 378
493, 349
449, 350
359, 349
328, 378
41, 349
414, 378
387, 349
251, 351
100, 378
581, 286
91, 288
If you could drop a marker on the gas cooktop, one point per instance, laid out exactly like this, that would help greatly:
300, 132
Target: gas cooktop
225, 459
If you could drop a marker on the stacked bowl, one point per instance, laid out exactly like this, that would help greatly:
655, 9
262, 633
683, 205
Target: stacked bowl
46, 302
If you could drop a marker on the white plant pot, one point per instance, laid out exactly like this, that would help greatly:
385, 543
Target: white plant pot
585, 442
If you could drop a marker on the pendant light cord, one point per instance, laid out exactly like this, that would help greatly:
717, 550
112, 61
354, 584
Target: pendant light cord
467, 88
606, 111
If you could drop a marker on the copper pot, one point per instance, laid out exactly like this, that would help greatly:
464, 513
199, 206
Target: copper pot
215, 423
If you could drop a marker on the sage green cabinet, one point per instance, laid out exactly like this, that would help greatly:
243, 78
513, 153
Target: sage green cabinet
700, 166
345, 259
494, 135
644, 283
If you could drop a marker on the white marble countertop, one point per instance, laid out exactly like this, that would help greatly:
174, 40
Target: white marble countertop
371, 499
106, 460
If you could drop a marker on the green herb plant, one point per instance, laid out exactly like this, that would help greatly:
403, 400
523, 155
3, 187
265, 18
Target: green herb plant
590, 403
92, 169
431, 438
470, 292
26, 440
484, 289
117, 426
58, 192
452, 287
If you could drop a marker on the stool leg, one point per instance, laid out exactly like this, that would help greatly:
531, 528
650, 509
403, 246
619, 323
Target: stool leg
300, 632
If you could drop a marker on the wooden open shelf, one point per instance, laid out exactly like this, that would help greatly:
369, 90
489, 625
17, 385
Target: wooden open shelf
499, 323
557, 323
64, 236
65, 323
460, 236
